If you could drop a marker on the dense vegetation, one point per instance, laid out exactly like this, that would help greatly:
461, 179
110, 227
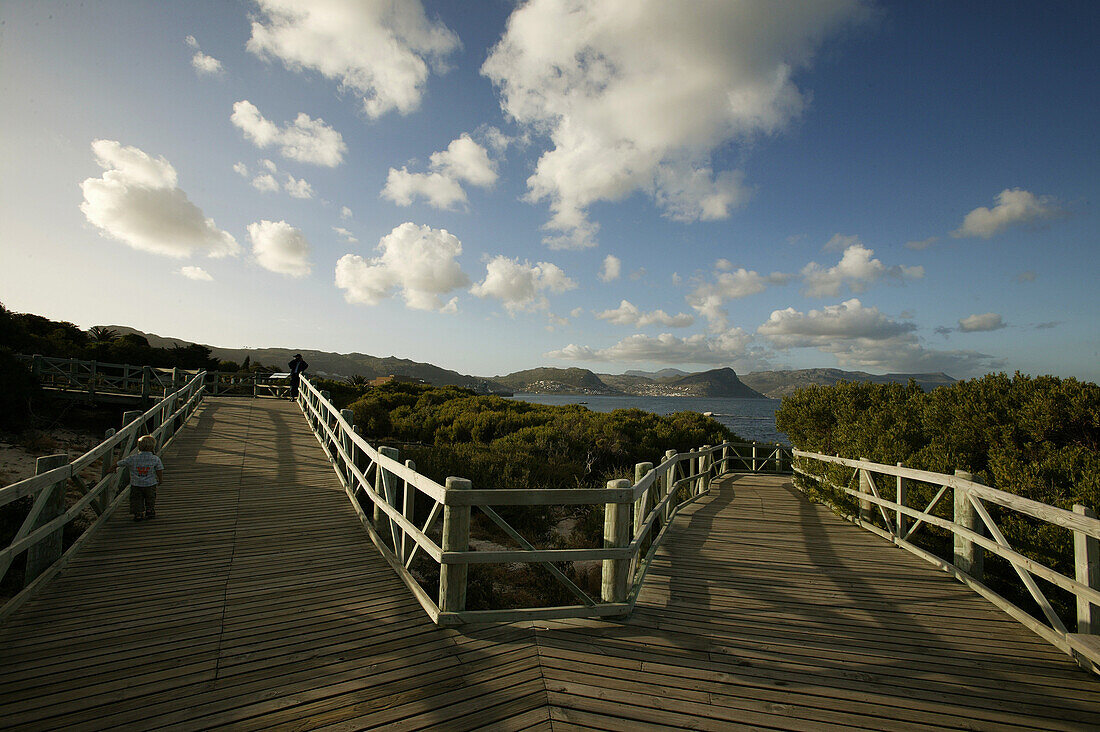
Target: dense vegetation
501, 443
1035, 437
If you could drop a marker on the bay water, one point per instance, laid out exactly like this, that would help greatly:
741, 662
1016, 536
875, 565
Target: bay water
752, 419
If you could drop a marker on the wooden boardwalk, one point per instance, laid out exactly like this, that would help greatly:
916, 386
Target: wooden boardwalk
255, 601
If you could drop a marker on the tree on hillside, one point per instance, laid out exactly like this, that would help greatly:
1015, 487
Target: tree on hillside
102, 334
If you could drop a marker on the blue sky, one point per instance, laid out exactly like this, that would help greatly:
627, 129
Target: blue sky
493, 186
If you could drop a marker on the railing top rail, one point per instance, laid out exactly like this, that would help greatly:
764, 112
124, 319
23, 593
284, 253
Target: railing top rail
1043, 511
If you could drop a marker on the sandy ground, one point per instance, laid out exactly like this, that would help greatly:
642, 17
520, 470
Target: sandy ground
18, 454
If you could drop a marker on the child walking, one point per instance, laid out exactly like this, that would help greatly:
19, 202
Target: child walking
146, 471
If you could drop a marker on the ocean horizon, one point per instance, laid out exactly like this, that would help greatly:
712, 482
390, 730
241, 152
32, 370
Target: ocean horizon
752, 419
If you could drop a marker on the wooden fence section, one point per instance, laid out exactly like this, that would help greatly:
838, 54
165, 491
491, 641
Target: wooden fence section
252, 600
765, 611
97, 381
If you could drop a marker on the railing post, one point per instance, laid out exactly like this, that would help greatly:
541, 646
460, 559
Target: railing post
778, 452
704, 469
146, 382
349, 446
36, 367
754, 465
866, 512
616, 528
640, 505
1086, 555
91, 381
670, 484
108, 494
47, 550
968, 556
384, 483
902, 496
408, 510
456, 538
725, 459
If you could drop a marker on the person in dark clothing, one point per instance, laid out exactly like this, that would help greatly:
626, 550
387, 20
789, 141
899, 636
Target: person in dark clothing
297, 368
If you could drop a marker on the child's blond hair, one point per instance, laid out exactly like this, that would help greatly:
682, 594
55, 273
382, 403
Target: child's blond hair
147, 443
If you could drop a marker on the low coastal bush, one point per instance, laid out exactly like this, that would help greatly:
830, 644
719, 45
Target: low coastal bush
1036, 437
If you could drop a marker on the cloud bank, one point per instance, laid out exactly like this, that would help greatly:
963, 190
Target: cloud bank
464, 161
856, 270
629, 314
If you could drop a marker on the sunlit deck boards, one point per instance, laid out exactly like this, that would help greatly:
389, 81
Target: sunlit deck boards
253, 600
767, 611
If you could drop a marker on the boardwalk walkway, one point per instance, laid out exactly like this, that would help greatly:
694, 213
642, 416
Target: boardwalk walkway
255, 601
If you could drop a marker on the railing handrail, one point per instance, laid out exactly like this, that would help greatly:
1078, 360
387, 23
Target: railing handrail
168, 416
355, 460
969, 521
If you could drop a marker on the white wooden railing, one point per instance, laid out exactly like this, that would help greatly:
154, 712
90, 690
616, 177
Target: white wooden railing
40, 534
884, 494
99, 378
637, 517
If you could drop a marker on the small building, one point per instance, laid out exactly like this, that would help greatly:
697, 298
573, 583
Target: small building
396, 378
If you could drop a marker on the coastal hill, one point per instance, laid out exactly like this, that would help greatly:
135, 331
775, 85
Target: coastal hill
778, 384
556, 381
666, 382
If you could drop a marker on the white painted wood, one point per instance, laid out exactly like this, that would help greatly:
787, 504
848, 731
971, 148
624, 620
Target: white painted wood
1086, 559
456, 538
616, 529
968, 557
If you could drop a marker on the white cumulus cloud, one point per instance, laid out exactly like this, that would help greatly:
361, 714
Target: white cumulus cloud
381, 50
708, 297
297, 187
464, 161
137, 201
1015, 206
521, 285
306, 140
982, 322
630, 314
196, 273
266, 182
279, 247
856, 270
639, 95
203, 64
612, 268
418, 261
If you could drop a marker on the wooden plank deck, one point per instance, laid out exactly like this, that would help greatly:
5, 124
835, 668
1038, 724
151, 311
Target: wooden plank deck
766, 611
255, 601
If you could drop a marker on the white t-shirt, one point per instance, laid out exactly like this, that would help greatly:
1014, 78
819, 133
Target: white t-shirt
143, 468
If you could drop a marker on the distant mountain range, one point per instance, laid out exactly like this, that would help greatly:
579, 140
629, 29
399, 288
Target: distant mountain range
722, 382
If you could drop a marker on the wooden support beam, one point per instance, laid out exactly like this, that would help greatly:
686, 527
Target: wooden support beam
967, 555
1086, 554
616, 530
456, 538
47, 551
866, 511
901, 519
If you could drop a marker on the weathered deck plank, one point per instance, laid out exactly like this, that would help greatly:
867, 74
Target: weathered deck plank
255, 601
